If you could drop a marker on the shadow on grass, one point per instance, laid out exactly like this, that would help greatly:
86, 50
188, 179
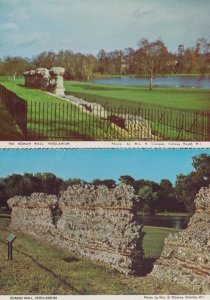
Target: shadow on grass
62, 280
71, 259
148, 265
48, 270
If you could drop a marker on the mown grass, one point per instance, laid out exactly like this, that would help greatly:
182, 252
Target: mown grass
38, 268
52, 118
162, 109
168, 213
173, 113
130, 96
154, 239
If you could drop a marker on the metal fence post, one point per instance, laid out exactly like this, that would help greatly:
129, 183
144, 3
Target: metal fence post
208, 126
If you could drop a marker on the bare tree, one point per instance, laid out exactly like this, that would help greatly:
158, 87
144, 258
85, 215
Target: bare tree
151, 56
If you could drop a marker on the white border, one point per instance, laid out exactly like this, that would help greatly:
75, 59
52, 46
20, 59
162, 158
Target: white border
105, 297
103, 145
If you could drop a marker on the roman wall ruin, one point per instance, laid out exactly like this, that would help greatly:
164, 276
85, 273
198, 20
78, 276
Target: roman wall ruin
185, 258
92, 221
46, 80
129, 126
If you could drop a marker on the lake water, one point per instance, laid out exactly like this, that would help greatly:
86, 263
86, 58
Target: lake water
167, 81
178, 222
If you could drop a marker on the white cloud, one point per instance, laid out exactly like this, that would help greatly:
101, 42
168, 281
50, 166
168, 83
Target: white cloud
8, 26
23, 16
29, 39
67, 41
90, 25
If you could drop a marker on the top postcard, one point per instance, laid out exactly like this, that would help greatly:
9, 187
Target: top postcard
123, 70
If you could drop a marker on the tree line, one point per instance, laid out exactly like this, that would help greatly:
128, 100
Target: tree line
152, 196
149, 58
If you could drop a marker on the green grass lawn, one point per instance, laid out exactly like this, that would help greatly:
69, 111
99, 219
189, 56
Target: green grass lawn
41, 269
161, 108
130, 96
170, 111
154, 239
168, 213
59, 119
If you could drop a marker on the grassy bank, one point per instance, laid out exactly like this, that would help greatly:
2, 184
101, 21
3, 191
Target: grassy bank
131, 96
41, 269
9, 130
161, 108
53, 118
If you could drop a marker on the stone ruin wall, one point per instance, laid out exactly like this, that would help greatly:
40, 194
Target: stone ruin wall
46, 80
131, 127
94, 222
185, 258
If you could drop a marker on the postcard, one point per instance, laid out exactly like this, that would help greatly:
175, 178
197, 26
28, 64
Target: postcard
104, 222
104, 149
122, 70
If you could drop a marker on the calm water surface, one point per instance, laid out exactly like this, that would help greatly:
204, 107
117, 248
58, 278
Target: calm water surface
167, 81
178, 222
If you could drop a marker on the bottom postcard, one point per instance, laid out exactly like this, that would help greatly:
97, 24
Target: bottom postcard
105, 222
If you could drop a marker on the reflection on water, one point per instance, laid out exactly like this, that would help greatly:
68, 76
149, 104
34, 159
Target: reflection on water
173, 81
178, 222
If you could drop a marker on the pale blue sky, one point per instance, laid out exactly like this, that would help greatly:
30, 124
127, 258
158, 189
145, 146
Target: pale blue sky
28, 27
153, 164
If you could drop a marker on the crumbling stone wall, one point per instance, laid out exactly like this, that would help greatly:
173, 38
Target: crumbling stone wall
130, 126
93, 221
46, 80
186, 255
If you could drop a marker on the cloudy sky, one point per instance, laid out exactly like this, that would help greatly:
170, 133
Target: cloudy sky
91, 164
28, 27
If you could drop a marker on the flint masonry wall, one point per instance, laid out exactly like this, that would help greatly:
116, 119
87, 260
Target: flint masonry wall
93, 221
186, 255
46, 80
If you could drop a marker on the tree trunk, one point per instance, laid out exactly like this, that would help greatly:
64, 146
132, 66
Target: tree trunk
150, 82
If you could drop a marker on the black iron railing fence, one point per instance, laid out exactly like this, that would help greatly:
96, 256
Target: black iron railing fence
41, 120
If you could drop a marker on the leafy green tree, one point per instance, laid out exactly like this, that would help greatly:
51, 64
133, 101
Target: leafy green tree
201, 164
166, 198
127, 179
73, 181
147, 199
142, 182
50, 184
3, 194
187, 186
13, 185
110, 183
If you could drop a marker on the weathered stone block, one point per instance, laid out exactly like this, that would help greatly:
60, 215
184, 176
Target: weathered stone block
186, 255
46, 80
93, 221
